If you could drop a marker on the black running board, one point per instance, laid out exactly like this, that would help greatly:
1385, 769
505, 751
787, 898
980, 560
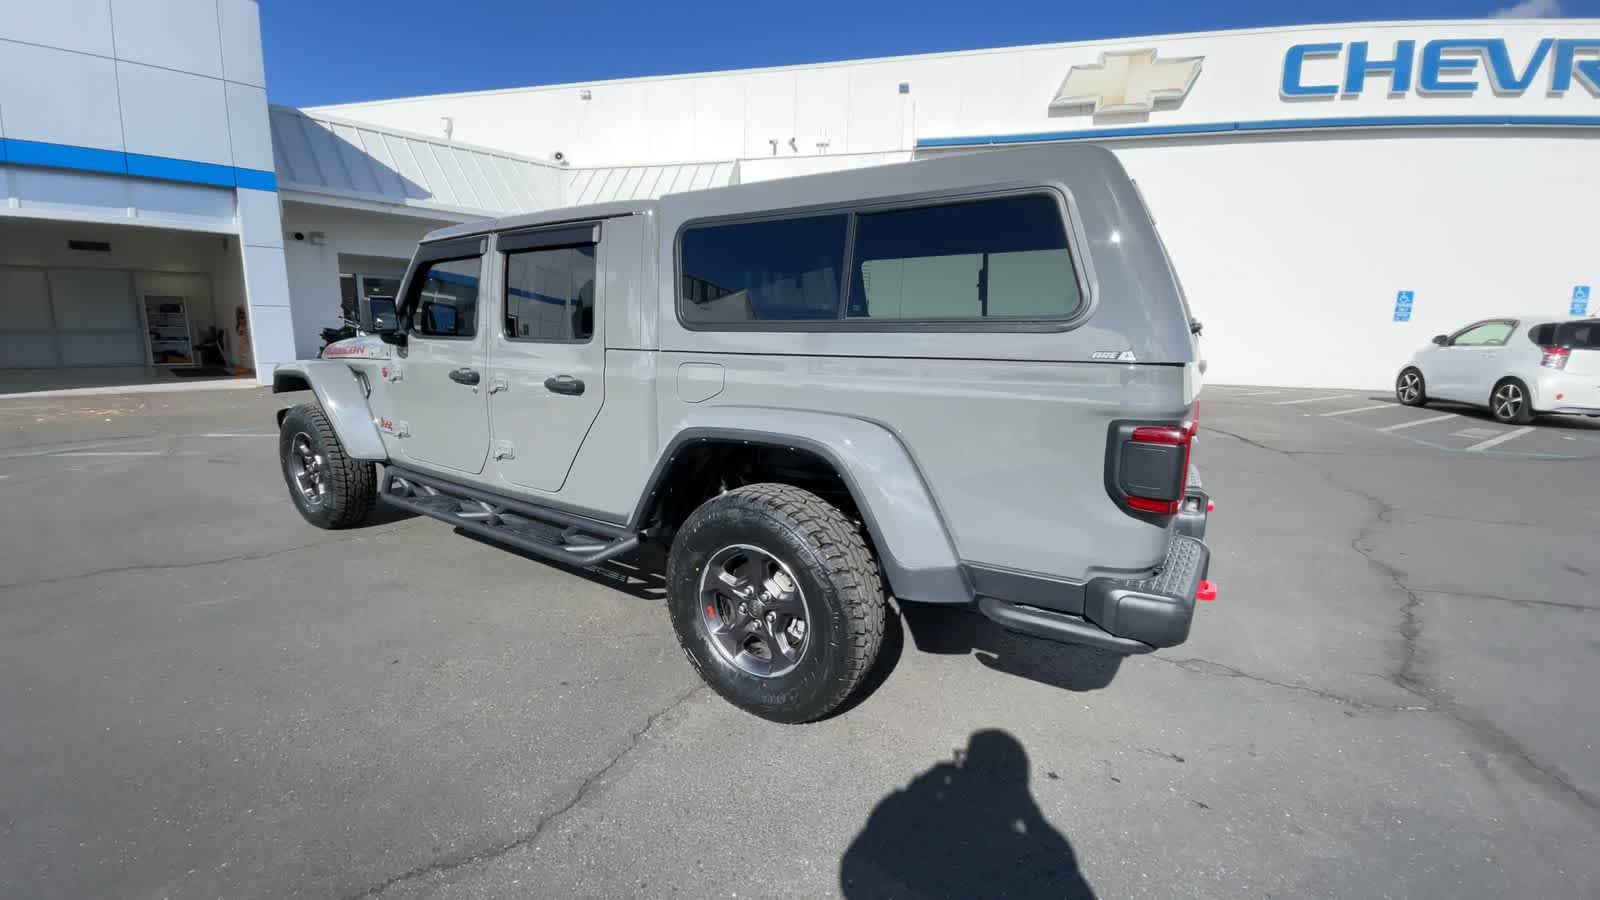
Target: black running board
552, 534
1055, 626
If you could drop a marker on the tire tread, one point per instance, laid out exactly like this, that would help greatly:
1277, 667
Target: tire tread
849, 565
354, 482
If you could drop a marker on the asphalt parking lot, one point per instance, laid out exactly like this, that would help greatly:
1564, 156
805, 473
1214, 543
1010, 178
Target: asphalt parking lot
202, 696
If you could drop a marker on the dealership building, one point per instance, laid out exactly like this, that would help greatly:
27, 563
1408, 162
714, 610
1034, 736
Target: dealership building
1331, 195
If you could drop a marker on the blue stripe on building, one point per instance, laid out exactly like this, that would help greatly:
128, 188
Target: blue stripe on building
1266, 125
138, 165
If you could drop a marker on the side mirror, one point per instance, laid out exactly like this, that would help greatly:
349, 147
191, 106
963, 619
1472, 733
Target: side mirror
1442, 340
379, 317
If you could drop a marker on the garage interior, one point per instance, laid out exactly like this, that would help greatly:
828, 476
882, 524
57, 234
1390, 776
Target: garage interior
92, 305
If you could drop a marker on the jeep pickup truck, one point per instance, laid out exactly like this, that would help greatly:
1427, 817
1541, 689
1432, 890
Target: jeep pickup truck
964, 380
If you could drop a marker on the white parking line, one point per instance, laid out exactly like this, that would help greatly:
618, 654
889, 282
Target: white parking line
1401, 425
1256, 393
1497, 441
111, 453
1346, 412
1312, 399
228, 434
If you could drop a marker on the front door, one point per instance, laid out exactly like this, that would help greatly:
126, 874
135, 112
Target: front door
547, 355
441, 400
1471, 363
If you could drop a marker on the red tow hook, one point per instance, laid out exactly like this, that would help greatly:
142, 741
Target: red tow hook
1206, 592
1211, 506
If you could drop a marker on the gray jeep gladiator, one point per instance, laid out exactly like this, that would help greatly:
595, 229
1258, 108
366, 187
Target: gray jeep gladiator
963, 380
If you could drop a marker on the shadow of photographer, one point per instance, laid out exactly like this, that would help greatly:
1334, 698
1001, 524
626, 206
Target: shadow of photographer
968, 827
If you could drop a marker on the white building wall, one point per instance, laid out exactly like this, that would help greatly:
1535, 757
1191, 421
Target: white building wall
147, 112
856, 106
313, 259
1292, 244
1292, 250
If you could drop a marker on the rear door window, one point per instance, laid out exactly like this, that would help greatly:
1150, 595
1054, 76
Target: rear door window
1004, 258
550, 294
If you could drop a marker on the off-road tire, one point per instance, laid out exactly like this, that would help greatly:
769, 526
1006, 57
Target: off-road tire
1402, 387
1523, 414
836, 572
352, 484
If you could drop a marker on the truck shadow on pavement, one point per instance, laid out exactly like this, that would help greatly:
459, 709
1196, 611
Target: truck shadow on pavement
954, 630
966, 827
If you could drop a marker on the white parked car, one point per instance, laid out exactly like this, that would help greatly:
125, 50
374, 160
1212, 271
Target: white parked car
1518, 367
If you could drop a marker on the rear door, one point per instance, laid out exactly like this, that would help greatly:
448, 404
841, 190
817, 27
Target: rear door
440, 400
547, 354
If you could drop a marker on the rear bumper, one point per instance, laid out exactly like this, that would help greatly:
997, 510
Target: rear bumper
1120, 614
1566, 393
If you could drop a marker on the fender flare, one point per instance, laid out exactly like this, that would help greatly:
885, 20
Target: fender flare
914, 547
342, 397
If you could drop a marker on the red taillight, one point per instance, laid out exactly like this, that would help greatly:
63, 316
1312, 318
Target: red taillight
1181, 436
1150, 505
1555, 357
1160, 434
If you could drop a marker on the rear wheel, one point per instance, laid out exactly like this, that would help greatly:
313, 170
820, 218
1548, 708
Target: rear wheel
330, 489
1409, 388
776, 600
1510, 403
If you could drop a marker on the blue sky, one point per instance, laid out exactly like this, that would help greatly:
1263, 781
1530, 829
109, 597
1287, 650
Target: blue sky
325, 51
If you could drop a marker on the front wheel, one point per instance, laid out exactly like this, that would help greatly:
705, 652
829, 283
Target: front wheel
330, 489
1409, 388
776, 600
1510, 402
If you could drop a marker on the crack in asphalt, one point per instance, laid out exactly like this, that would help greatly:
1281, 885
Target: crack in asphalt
1222, 670
585, 788
1406, 676
1514, 601
157, 567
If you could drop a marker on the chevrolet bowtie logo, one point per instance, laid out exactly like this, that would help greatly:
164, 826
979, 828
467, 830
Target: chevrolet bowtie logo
1132, 81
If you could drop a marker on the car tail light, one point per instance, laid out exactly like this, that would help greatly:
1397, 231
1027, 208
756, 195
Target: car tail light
1147, 466
1555, 357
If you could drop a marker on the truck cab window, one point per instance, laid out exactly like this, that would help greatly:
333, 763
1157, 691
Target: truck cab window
550, 294
444, 300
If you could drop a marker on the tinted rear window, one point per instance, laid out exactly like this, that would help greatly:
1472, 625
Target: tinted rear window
1001, 258
777, 270
1581, 335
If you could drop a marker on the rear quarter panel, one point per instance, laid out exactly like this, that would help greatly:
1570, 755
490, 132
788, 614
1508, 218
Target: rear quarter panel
1013, 452
1007, 424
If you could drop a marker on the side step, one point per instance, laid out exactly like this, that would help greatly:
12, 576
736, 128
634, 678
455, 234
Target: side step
563, 537
1055, 626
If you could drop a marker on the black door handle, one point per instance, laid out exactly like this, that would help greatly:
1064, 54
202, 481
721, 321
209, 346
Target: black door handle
465, 376
564, 384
